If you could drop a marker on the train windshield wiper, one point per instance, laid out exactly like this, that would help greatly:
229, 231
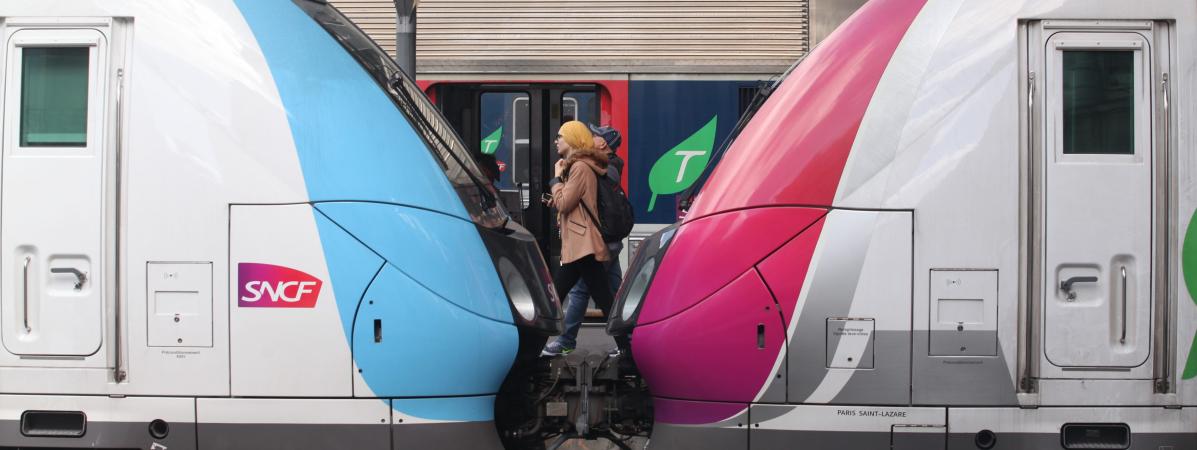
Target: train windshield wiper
398, 83
438, 136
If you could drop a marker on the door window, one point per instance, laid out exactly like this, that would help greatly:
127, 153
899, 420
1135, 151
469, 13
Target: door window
580, 106
503, 125
54, 96
1099, 102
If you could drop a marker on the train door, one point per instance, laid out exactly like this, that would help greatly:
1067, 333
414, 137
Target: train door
1100, 208
52, 176
517, 125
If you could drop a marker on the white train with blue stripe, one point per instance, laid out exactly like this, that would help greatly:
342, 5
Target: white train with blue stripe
235, 224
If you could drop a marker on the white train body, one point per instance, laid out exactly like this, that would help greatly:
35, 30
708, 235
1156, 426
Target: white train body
976, 221
223, 228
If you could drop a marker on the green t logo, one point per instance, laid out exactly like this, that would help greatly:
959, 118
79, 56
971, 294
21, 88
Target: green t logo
680, 167
1188, 260
490, 144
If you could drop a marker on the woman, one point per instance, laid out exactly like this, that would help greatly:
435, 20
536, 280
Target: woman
575, 197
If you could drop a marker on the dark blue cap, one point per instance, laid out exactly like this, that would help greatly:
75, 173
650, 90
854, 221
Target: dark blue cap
608, 134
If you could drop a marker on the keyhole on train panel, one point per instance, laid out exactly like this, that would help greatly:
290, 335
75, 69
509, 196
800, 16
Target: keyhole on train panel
377, 330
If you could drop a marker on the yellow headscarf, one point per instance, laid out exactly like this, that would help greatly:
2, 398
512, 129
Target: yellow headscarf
577, 135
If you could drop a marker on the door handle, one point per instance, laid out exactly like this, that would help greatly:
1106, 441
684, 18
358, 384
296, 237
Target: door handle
1066, 285
1123, 339
25, 295
525, 195
80, 277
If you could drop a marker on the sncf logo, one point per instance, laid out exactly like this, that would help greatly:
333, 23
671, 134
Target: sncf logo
271, 286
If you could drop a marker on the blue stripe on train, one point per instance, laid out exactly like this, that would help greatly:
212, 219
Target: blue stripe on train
338, 116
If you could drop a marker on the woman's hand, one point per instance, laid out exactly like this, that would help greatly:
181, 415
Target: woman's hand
559, 168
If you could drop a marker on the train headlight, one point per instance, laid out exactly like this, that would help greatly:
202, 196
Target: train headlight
525, 278
644, 265
636, 290
517, 290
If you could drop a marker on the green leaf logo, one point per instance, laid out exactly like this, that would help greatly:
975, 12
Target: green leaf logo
1188, 260
680, 167
490, 144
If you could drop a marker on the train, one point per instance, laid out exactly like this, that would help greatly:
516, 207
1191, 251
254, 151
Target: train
953, 224
236, 224
669, 77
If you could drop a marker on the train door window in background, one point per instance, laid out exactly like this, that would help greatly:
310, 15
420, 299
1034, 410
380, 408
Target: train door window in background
503, 124
581, 106
517, 125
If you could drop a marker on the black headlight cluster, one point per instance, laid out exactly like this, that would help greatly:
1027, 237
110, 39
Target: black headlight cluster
525, 277
637, 279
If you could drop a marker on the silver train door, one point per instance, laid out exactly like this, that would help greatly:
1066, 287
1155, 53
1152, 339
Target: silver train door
1099, 169
52, 177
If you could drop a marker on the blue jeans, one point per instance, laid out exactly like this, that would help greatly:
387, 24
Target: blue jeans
579, 298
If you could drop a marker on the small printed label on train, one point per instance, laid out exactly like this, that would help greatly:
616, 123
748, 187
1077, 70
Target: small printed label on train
869, 413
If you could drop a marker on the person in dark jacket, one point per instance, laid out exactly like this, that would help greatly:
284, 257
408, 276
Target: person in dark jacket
606, 140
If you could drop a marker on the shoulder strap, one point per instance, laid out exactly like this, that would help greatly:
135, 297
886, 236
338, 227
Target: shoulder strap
591, 214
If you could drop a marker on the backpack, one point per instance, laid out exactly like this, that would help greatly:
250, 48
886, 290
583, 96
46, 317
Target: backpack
615, 218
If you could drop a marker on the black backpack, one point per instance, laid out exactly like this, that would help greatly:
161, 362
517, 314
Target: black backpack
615, 219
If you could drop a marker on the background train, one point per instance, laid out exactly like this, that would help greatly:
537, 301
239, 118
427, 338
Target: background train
955, 224
231, 225
672, 76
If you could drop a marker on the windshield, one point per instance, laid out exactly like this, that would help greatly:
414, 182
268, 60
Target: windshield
446, 146
762, 94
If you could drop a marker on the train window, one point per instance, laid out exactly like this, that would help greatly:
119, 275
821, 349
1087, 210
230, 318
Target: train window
747, 95
54, 96
503, 124
521, 137
1099, 102
569, 109
582, 106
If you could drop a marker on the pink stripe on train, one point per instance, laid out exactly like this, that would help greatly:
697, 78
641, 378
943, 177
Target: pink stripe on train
695, 340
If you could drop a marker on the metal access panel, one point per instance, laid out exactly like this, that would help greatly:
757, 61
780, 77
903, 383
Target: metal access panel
823, 427
963, 313
179, 313
918, 437
857, 306
850, 343
287, 337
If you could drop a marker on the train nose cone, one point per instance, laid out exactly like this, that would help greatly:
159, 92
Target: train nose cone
711, 328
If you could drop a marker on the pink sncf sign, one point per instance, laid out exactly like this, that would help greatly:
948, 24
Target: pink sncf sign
271, 286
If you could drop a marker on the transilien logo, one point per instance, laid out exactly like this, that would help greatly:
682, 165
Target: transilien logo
680, 167
490, 144
1188, 260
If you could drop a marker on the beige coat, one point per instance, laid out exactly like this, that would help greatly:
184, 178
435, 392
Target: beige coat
579, 235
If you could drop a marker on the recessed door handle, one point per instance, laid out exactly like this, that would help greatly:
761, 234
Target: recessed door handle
1066, 285
80, 277
1123, 339
25, 293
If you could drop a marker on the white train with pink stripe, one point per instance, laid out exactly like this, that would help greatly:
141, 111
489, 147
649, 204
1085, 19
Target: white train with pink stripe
955, 224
